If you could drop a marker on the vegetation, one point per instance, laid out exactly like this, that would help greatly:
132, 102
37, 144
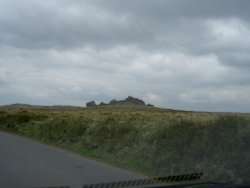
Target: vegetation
148, 140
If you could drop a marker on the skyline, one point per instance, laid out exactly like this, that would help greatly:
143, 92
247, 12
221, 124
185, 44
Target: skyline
190, 55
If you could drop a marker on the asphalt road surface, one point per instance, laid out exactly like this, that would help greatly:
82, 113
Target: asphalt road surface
27, 163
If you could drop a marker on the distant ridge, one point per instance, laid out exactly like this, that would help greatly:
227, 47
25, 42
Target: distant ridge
19, 105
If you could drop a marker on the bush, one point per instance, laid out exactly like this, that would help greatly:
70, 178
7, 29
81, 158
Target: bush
110, 134
15, 120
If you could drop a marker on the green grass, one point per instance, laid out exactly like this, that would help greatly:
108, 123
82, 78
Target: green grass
150, 141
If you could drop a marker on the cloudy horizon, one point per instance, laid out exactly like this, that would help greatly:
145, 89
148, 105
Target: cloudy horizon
190, 55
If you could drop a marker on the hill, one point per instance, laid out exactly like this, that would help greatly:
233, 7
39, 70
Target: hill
145, 139
27, 106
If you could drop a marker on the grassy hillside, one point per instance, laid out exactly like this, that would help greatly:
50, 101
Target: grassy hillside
148, 140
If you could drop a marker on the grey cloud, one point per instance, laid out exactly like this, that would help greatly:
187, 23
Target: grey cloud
236, 59
46, 25
169, 9
188, 54
164, 24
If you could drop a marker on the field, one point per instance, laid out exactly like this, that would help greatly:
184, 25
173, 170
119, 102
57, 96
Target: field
147, 140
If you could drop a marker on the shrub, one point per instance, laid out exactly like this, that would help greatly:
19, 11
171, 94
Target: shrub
109, 134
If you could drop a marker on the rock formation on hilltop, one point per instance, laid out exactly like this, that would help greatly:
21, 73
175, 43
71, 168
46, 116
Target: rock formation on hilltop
128, 101
90, 104
132, 100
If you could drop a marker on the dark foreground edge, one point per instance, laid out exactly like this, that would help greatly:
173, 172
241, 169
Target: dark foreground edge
140, 182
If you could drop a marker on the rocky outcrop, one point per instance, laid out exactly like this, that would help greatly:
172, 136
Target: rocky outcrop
132, 100
128, 101
91, 104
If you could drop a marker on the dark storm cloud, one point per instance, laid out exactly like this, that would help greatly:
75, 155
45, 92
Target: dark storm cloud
149, 24
169, 9
60, 24
189, 54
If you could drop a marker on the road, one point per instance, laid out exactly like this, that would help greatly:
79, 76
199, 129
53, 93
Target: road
27, 163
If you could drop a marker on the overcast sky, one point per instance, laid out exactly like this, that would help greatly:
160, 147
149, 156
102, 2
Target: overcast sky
181, 54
